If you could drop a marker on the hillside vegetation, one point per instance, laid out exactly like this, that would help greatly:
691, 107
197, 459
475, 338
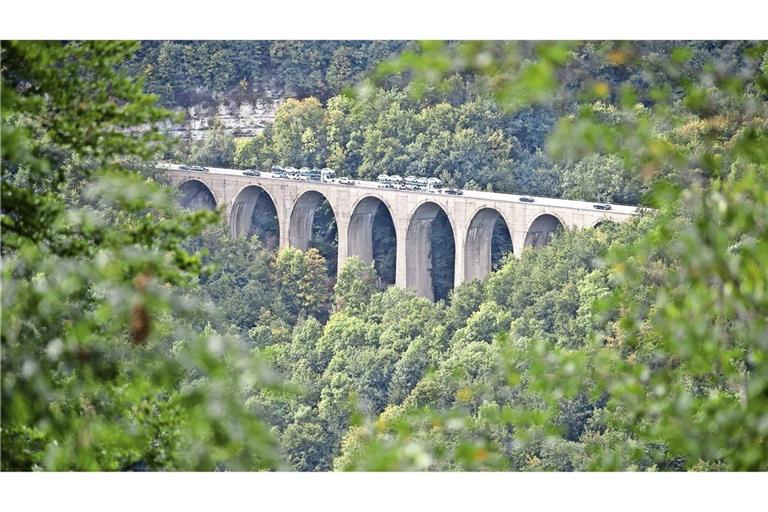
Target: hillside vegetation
137, 335
185, 73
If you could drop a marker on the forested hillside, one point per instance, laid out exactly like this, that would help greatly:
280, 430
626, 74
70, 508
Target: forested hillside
388, 353
185, 73
137, 335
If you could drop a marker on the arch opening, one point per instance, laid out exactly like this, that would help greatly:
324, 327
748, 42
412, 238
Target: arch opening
431, 252
195, 195
501, 244
488, 240
313, 225
606, 225
542, 230
254, 214
372, 237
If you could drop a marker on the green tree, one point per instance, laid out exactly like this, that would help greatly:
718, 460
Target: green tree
355, 285
302, 282
307, 446
240, 264
298, 136
601, 179
216, 150
254, 152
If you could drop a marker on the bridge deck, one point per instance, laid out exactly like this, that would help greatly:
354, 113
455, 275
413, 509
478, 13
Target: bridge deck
474, 194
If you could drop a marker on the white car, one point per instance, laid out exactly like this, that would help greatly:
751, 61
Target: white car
345, 181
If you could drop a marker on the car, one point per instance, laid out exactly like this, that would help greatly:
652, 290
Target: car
345, 181
250, 172
601, 206
453, 191
526, 199
197, 168
280, 174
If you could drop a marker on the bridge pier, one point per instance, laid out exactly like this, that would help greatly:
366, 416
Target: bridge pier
302, 217
343, 247
419, 257
518, 242
360, 229
401, 252
459, 275
284, 239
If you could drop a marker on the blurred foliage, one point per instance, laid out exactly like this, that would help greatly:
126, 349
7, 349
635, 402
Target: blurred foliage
102, 368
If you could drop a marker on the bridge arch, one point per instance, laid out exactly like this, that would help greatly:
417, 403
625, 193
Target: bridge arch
303, 218
196, 195
254, 210
604, 222
419, 249
541, 229
361, 235
478, 257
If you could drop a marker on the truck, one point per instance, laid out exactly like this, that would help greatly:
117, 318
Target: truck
384, 181
327, 175
434, 184
310, 174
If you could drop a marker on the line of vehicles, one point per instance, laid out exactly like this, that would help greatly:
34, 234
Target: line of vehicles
326, 175
433, 185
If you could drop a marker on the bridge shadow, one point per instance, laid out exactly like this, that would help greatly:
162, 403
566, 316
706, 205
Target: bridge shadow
254, 214
195, 195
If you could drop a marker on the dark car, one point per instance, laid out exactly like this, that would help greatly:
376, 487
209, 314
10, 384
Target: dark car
453, 191
195, 168
526, 199
601, 206
251, 173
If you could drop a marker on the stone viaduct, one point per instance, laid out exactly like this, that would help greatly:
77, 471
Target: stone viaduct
472, 217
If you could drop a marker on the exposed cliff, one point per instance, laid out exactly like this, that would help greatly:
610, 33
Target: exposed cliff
243, 119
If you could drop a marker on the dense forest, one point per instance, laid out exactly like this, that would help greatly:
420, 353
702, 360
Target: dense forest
137, 335
184, 73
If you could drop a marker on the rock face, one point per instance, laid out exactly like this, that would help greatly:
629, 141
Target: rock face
244, 119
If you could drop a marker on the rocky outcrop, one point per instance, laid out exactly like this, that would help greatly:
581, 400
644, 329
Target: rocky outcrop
244, 119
